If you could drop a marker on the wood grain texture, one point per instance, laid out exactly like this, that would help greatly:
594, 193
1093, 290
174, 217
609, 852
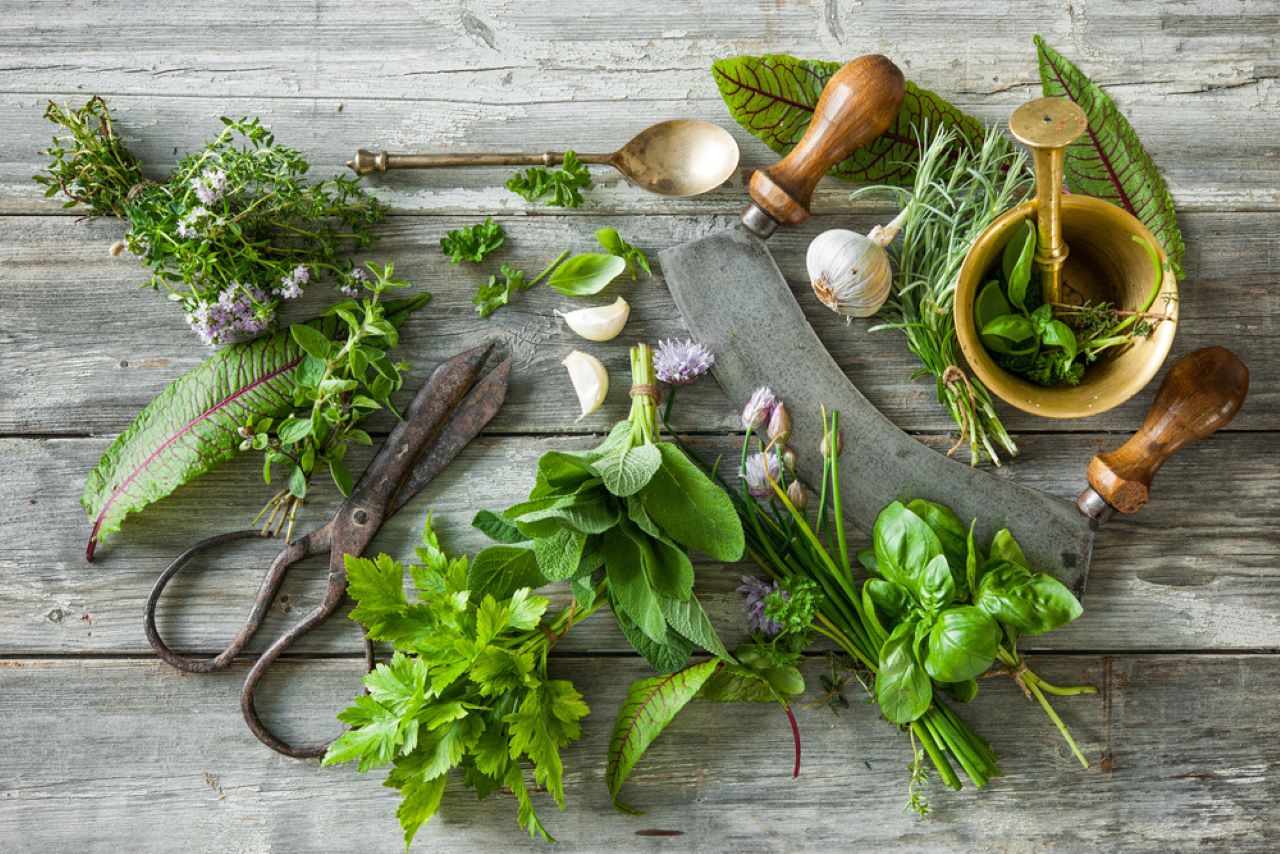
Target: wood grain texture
118, 346
108, 755
1184, 574
108, 749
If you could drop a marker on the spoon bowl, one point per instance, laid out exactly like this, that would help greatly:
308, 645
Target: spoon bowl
678, 158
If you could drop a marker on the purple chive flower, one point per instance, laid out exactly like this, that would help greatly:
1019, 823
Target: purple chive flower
679, 363
760, 469
758, 408
755, 591
209, 186
779, 429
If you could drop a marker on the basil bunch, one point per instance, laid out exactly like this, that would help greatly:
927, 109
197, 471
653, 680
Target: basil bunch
951, 610
630, 510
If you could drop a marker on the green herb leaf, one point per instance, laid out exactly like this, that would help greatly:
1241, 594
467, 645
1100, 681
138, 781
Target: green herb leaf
690, 620
1033, 603
1058, 334
496, 528
628, 469
624, 562
902, 686
496, 293
472, 243
586, 274
951, 533
562, 184
502, 570
612, 242
664, 657
904, 547
1018, 276
962, 644
1109, 162
691, 508
312, 340
559, 554
773, 97
650, 706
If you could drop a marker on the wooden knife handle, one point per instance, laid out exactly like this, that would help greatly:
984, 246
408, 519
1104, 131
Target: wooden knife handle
859, 102
1199, 396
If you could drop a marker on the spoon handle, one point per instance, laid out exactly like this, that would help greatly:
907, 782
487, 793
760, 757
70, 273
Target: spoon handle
367, 161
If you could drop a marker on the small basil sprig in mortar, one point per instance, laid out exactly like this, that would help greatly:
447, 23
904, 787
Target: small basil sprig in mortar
629, 510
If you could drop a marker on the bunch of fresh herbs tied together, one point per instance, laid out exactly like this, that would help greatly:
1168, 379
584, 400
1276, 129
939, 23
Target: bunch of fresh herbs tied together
232, 232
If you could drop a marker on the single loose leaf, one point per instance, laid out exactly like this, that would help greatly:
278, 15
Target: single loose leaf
192, 425
773, 97
1108, 161
650, 706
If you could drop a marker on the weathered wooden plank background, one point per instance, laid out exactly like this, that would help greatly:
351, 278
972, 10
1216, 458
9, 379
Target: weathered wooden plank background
108, 749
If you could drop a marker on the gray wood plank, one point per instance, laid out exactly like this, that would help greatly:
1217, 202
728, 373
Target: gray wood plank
485, 75
106, 348
1193, 571
121, 754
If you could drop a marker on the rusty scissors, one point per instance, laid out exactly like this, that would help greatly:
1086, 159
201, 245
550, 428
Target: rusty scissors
451, 408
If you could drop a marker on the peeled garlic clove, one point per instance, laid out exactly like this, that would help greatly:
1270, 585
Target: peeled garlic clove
590, 380
850, 273
603, 323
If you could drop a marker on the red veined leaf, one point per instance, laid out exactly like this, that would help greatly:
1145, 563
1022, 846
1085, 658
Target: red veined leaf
1109, 162
650, 706
192, 425
773, 96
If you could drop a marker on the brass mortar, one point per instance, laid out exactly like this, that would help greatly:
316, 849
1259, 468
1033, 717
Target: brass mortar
1085, 251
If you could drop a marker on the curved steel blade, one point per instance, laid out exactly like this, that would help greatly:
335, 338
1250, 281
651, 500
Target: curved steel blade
735, 301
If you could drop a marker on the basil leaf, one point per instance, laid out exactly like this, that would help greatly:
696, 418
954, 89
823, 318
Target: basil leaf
990, 304
1005, 547
1058, 334
586, 274
904, 546
962, 644
691, 509
937, 586
961, 692
889, 598
1011, 327
629, 584
903, 690
973, 562
1018, 276
951, 533
1032, 603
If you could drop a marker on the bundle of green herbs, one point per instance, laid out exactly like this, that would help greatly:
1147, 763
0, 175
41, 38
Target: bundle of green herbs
231, 233
1051, 344
628, 512
297, 395
935, 613
466, 689
958, 190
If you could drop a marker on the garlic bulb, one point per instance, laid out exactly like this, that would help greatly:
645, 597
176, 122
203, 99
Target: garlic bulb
850, 272
590, 380
603, 323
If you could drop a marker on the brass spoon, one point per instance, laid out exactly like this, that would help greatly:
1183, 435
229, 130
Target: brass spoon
679, 157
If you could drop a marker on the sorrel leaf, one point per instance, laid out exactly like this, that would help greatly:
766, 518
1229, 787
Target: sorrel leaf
192, 425
1109, 162
773, 96
650, 706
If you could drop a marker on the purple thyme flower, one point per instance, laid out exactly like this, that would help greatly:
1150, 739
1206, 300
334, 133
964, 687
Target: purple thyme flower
760, 469
210, 185
758, 408
755, 592
291, 285
187, 225
358, 277
679, 363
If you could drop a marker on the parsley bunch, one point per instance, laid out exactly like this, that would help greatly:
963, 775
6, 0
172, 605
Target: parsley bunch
466, 689
233, 231
562, 184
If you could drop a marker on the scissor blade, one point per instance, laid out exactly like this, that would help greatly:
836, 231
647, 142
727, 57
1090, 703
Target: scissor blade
471, 417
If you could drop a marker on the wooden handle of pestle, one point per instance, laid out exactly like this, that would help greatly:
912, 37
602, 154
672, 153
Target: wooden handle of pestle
1199, 396
859, 102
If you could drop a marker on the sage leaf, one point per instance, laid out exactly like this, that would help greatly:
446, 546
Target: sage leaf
499, 571
663, 657
651, 704
496, 528
627, 469
691, 508
690, 620
773, 97
1108, 162
586, 274
629, 584
558, 555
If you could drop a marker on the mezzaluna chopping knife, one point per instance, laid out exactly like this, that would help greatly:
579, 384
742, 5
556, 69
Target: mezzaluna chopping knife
728, 288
